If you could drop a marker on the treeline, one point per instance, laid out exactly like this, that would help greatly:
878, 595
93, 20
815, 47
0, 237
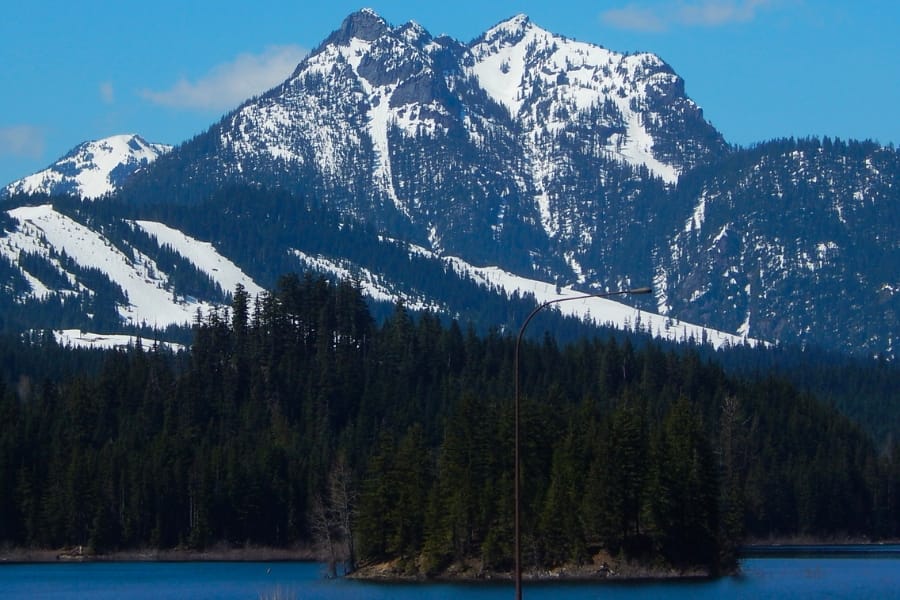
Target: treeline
297, 419
865, 389
264, 222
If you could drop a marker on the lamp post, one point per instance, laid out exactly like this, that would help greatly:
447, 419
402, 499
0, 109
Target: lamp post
518, 549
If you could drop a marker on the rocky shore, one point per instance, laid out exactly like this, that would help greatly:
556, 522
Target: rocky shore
602, 567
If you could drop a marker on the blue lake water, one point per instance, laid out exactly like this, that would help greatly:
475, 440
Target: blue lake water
873, 575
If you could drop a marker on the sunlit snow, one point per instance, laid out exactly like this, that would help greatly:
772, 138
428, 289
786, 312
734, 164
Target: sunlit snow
82, 339
516, 63
203, 256
600, 311
370, 283
148, 299
92, 164
151, 301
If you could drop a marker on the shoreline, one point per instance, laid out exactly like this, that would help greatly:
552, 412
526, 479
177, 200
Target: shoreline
219, 553
644, 575
602, 567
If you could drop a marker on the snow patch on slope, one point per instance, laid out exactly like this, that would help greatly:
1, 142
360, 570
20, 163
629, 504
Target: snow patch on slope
636, 147
601, 311
372, 284
83, 339
378, 123
149, 302
203, 256
522, 67
698, 216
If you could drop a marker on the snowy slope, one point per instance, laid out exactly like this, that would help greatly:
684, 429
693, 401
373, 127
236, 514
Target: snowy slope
82, 339
602, 311
543, 78
151, 300
373, 285
42, 228
599, 311
92, 169
333, 128
203, 256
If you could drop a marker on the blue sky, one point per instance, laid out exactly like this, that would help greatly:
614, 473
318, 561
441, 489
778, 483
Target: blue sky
167, 69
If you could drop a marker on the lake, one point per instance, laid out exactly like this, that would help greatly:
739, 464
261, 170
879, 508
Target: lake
850, 574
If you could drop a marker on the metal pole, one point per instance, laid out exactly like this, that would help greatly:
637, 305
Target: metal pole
517, 550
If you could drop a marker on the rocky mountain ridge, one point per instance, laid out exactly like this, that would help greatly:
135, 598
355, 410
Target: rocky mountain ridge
554, 160
520, 138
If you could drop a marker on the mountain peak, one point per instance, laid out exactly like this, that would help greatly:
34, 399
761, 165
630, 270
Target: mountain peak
514, 24
413, 33
92, 168
511, 30
363, 24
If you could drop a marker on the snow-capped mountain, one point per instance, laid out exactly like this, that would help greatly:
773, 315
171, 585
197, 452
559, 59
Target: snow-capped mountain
91, 169
544, 80
124, 269
548, 159
514, 147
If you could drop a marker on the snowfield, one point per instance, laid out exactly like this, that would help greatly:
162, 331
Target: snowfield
203, 256
151, 301
601, 311
82, 339
88, 170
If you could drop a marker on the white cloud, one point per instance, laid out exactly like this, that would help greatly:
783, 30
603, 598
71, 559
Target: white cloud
107, 92
693, 13
229, 84
713, 13
23, 141
634, 18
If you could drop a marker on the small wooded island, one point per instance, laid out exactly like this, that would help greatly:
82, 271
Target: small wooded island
300, 421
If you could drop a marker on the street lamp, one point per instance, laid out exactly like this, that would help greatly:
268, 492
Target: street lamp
518, 548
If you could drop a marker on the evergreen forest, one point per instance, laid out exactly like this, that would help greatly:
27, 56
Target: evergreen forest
298, 419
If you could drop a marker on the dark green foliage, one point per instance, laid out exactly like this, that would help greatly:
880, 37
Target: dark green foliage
44, 270
683, 488
12, 283
296, 419
865, 389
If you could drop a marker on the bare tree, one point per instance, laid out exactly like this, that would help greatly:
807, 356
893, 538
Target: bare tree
323, 530
331, 519
343, 497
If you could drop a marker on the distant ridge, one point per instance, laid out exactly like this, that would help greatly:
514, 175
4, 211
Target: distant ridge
91, 169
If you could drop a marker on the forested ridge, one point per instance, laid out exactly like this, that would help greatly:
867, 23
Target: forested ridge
298, 419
